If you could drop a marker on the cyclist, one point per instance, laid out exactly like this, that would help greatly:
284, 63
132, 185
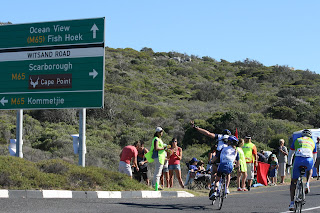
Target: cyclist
222, 142
227, 156
305, 151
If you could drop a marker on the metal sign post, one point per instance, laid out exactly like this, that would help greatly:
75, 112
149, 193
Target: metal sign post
82, 137
19, 133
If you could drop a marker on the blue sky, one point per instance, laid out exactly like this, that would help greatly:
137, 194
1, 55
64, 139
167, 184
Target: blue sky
284, 32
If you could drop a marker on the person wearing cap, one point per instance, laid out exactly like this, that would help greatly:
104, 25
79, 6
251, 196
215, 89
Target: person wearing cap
318, 157
251, 156
128, 154
192, 166
273, 169
157, 154
222, 142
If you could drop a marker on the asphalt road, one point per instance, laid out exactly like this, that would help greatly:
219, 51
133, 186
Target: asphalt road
262, 199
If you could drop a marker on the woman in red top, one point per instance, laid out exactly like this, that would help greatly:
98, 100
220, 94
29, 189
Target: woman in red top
174, 162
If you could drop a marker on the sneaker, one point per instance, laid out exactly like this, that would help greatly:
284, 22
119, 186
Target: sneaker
213, 196
318, 177
244, 189
249, 187
227, 191
239, 189
291, 206
307, 190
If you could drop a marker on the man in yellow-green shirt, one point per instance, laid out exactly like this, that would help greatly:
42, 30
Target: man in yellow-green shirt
251, 156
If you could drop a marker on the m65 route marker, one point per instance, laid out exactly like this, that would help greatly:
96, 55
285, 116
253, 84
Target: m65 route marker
51, 65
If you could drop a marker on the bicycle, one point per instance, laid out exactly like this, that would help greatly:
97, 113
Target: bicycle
221, 191
299, 198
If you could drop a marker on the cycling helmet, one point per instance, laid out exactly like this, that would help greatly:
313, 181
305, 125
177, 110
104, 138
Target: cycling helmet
306, 132
226, 132
233, 140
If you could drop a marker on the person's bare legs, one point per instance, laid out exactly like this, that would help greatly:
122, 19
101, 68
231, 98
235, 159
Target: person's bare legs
170, 178
239, 174
178, 174
243, 181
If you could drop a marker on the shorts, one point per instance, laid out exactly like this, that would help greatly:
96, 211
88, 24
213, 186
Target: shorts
301, 161
174, 167
144, 175
165, 168
125, 168
250, 171
273, 173
225, 168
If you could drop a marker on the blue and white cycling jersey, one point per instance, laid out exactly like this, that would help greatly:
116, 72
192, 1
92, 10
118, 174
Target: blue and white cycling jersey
227, 156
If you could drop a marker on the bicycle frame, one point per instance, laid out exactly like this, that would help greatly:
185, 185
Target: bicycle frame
299, 198
222, 190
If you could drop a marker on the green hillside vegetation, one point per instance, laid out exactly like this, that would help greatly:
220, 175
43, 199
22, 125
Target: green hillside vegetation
145, 89
17, 173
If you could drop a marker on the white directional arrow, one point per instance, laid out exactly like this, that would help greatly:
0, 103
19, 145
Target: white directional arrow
94, 73
94, 28
3, 101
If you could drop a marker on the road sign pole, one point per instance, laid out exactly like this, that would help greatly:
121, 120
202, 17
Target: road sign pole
19, 133
82, 137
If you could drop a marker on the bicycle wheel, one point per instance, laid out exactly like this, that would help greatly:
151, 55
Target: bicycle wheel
222, 192
299, 196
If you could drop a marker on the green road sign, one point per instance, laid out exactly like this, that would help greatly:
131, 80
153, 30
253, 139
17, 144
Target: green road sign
61, 73
74, 74
51, 100
68, 32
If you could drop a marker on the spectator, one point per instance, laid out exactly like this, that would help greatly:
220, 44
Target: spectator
250, 153
174, 162
211, 154
282, 159
202, 173
128, 154
318, 157
192, 166
266, 154
142, 164
157, 154
165, 172
201, 168
261, 157
242, 170
273, 169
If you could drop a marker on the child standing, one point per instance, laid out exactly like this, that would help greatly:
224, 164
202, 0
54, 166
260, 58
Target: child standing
273, 169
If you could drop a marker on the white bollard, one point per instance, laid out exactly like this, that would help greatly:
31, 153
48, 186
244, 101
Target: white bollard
75, 143
13, 147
